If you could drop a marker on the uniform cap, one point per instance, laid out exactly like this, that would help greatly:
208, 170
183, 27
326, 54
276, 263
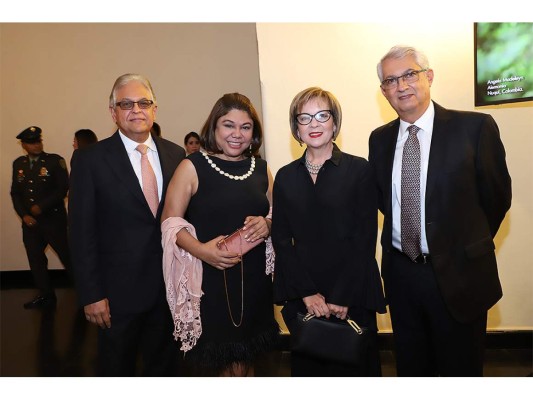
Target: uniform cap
30, 135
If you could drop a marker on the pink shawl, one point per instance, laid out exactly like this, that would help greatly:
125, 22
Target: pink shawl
183, 281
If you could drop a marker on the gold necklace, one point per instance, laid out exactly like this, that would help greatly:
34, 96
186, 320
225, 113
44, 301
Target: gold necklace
234, 177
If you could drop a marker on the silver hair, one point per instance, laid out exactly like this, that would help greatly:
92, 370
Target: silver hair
398, 52
125, 79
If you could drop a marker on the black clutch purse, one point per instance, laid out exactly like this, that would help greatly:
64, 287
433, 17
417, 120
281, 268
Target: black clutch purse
333, 339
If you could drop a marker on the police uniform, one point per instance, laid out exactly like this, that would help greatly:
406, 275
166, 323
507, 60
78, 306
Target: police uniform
43, 182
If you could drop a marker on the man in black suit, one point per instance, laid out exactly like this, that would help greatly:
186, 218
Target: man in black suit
439, 265
116, 236
38, 191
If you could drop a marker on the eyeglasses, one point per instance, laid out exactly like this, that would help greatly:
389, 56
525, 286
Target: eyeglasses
128, 104
408, 77
321, 116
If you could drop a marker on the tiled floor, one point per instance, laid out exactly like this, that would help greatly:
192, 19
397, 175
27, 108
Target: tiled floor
61, 343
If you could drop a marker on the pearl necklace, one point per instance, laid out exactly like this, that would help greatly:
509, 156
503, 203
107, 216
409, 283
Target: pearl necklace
237, 178
312, 168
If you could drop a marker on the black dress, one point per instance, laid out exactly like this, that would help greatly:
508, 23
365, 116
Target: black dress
219, 207
324, 235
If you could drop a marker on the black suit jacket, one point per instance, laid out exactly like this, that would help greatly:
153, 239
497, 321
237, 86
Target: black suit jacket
468, 193
115, 239
45, 185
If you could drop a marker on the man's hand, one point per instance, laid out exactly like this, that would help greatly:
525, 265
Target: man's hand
98, 313
35, 210
29, 221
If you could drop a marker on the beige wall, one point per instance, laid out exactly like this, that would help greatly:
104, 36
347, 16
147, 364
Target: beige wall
59, 76
342, 58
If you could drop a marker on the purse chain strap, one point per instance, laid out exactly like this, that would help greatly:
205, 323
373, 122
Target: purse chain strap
242, 287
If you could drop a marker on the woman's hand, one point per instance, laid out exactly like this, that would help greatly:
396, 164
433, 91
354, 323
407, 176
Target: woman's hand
218, 258
256, 228
338, 311
316, 305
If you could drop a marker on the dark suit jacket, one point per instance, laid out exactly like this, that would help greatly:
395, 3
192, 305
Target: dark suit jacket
45, 185
115, 239
468, 192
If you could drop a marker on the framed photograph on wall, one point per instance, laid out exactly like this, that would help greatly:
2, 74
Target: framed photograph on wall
503, 60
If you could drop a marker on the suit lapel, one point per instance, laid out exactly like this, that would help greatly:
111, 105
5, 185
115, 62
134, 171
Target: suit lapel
165, 159
390, 148
119, 162
438, 150
168, 166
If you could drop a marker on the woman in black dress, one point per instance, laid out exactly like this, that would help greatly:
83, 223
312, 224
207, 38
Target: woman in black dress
324, 233
218, 190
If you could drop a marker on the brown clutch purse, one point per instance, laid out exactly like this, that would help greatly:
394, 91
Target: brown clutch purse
236, 243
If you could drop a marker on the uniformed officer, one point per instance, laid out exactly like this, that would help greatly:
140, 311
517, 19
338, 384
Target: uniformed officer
38, 191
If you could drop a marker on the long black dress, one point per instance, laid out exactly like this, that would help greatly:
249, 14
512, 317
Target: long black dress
219, 207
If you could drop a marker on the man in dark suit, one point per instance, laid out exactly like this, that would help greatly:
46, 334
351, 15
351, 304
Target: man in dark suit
116, 235
38, 191
439, 266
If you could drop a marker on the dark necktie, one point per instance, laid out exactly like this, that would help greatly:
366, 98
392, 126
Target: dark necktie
410, 212
149, 180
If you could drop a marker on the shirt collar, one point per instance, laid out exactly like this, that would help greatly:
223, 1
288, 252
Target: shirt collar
131, 145
425, 122
335, 156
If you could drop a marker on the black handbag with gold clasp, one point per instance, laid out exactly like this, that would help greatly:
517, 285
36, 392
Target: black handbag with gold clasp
333, 339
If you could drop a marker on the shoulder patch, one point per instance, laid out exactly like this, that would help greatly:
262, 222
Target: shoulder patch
62, 163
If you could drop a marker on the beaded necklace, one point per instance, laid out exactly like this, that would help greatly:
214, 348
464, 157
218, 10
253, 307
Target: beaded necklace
234, 177
312, 168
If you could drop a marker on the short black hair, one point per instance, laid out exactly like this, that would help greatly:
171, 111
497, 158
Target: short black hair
85, 137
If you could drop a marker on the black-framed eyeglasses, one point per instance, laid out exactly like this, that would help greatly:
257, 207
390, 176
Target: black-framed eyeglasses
408, 77
128, 104
321, 116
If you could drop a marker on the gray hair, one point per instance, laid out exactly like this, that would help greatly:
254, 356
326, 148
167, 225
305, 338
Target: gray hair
125, 79
398, 52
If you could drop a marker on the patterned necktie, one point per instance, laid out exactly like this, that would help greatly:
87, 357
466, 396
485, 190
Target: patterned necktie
410, 213
148, 179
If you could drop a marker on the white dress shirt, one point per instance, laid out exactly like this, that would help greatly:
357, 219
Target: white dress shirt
425, 123
135, 159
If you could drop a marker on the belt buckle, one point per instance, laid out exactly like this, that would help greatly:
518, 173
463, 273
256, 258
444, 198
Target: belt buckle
422, 259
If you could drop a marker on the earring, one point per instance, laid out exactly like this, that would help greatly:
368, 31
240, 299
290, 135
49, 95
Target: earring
299, 138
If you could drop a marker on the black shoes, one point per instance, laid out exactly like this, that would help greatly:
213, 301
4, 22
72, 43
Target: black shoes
41, 301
